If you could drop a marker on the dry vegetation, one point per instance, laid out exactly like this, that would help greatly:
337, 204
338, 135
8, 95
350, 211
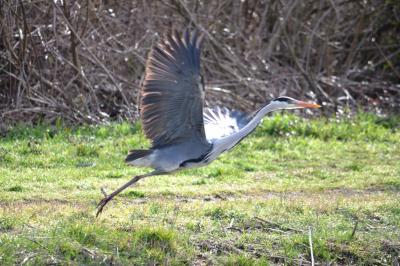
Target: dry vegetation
83, 60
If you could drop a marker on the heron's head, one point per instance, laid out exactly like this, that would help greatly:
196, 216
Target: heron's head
285, 102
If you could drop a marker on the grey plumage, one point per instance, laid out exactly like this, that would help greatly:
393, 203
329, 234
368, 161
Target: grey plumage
136, 154
173, 84
172, 104
172, 98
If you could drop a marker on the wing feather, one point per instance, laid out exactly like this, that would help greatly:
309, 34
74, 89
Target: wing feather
172, 95
221, 122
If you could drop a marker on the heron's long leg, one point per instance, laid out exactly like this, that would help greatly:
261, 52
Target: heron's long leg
107, 198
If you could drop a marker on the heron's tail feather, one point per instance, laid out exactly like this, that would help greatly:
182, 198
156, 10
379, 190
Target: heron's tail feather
139, 157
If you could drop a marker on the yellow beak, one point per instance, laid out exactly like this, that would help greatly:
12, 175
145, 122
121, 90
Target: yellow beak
307, 105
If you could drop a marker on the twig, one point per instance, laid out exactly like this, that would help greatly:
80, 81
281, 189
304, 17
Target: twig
311, 246
94, 57
387, 60
27, 258
280, 26
39, 244
354, 229
280, 227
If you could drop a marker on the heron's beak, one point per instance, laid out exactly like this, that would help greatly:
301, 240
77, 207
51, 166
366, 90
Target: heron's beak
307, 105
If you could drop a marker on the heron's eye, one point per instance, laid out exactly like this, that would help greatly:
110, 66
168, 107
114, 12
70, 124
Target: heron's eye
282, 99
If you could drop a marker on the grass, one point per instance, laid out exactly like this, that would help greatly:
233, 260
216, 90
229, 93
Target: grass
253, 206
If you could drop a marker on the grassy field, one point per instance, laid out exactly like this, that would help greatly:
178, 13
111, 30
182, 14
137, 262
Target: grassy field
337, 182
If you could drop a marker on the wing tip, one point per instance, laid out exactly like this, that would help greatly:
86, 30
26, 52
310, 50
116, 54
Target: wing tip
174, 48
188, 38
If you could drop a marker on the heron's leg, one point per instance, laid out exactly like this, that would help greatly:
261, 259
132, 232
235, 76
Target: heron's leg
107, 198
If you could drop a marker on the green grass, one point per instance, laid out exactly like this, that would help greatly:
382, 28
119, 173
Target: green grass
253, 206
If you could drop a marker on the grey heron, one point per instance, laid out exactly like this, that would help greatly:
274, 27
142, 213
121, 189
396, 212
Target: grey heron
182, 132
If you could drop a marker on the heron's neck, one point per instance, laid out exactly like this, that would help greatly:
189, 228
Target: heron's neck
230, 141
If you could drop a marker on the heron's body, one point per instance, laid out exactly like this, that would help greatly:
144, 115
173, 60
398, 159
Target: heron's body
182, 155
172, 99
173, 157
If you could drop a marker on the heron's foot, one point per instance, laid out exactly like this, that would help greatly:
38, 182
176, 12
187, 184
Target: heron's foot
103, 202
107, 198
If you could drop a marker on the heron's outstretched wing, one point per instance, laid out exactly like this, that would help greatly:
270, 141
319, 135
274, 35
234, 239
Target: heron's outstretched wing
221, 122
172, 95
